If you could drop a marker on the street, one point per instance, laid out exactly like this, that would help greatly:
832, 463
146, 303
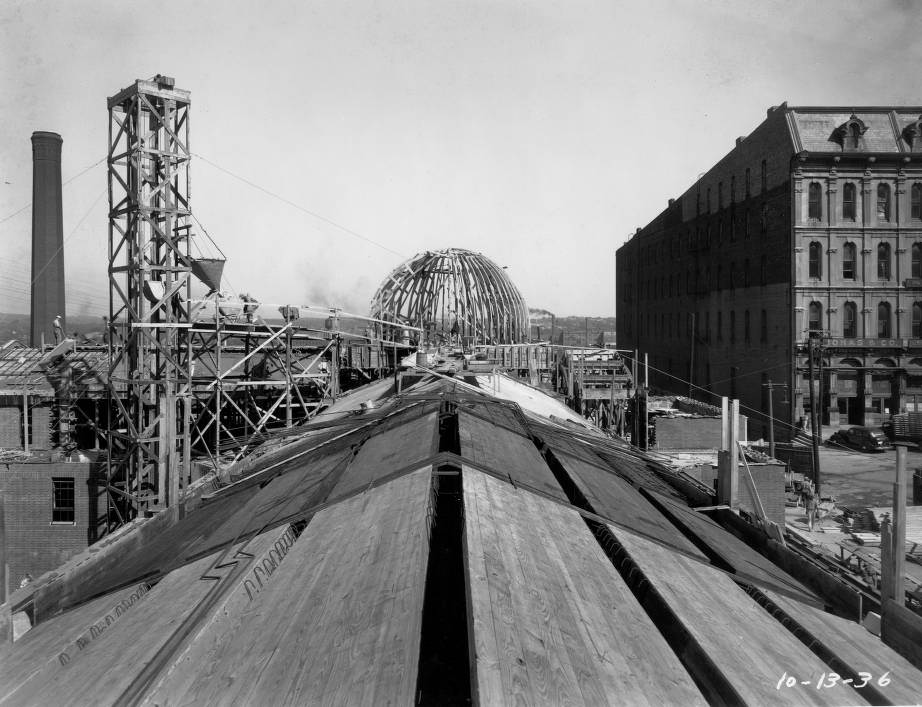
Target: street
861, 480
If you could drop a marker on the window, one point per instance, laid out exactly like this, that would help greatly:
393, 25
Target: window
816, 261
62, 501
764, 175
849, 258
763, 328
746, 227
746, 273
815, 201
720, 276
917, 320
763, 271
850, 320
849, 210
698, 201
707, 327
763, 220
883, 261
709, 199
732, 326
816, 317
746, 331
883, 320
733, 189
720, 326
916, 201
916, 269
732, 275
883, 202
748, 183
720, 195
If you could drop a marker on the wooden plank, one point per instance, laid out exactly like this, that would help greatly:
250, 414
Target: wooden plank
388, 451
62, 634
506, 452
745, 644
552, 622
858, 648
339, 623
131, 643
614, 498
742, 558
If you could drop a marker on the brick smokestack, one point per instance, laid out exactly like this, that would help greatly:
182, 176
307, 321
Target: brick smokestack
47, 237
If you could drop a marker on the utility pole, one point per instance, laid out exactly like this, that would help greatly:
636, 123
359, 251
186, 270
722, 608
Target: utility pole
813, 417
771, 414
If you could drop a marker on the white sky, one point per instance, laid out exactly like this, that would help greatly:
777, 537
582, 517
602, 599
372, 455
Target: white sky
539, 133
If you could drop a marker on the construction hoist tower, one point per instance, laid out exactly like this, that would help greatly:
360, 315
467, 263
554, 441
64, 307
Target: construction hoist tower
149, 291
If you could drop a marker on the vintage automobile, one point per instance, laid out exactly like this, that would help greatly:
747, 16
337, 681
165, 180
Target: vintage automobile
866, 439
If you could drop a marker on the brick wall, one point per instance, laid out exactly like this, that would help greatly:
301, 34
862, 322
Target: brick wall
10, 428
35, 544
769, 481
41, 428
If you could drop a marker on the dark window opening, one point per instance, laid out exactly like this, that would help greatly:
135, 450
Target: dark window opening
917, 320
849, 261
816, 317
883, 202
816, 260
916, 270
63, 505
883, 320
815, 202
883, 261
849, 209
916, 201
850, 321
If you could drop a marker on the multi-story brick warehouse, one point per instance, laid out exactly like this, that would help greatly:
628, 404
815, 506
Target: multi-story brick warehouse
810, 226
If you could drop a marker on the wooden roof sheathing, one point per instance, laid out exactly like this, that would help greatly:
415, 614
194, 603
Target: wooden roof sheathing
553, 622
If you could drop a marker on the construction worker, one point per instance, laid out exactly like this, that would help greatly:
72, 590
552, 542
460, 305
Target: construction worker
809, 499
58, 329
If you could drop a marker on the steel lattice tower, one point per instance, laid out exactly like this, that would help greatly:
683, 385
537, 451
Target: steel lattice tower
149, 291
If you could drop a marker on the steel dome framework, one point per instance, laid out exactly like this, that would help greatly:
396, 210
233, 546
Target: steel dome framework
435, 289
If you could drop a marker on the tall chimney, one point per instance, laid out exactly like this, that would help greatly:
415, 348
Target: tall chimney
47, 237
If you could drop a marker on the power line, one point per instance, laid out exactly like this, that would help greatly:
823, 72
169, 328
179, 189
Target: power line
63, 184
313, 214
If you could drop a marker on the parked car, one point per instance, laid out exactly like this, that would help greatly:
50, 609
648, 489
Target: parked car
867, 439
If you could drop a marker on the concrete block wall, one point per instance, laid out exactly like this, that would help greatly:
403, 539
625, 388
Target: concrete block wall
35, 544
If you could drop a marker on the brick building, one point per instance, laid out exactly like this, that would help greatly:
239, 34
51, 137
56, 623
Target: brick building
810, 227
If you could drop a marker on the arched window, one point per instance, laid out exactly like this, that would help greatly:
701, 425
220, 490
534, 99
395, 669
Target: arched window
883, 261
815, 201
849, 261
816, 317
916, 201
883, 202
849, 209
917, 320
916, 270
850, 320
816, 260
883, 320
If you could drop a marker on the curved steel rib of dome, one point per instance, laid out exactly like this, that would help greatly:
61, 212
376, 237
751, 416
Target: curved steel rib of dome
436, 290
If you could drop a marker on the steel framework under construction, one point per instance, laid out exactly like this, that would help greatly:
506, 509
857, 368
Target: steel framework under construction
191, 376
450, 294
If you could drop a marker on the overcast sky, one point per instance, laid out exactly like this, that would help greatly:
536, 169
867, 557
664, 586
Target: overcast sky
539, 133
